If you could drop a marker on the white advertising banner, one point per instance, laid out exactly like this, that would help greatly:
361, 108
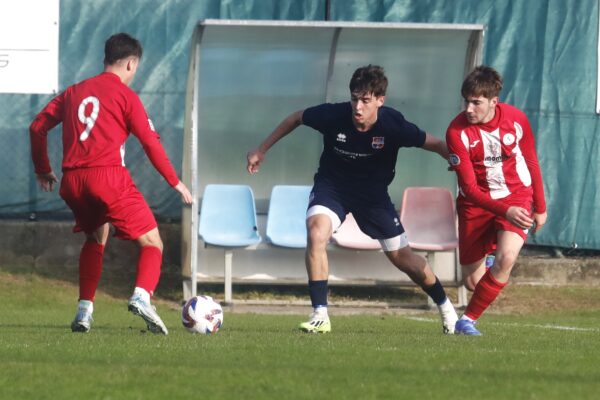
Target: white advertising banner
29, 46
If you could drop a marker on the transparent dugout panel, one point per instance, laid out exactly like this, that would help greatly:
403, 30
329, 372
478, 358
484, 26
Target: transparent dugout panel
250, 80
251, 77
425, 70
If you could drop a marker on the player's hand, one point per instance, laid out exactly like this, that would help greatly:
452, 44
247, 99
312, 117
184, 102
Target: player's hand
519, 217
539, 220
255, 158
47, 181
186, 196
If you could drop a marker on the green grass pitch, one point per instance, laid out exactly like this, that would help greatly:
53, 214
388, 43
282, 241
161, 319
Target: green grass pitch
546, 355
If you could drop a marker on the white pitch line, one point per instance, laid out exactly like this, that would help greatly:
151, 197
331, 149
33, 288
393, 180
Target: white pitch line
554, 327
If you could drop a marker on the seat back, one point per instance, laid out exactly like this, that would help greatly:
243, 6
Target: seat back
349, 235
228, 216
428, 216
286, 220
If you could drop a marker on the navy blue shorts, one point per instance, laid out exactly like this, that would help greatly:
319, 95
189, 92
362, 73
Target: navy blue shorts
374, 213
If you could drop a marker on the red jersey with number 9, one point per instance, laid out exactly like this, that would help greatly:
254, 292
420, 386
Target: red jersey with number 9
97, 116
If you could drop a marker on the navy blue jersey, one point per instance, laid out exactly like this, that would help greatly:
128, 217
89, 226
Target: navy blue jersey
360, 159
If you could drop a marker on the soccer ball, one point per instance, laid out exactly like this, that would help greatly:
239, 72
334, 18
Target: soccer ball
201, 314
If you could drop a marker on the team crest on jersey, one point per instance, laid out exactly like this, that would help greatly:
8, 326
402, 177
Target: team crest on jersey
454, 159
508, 139
341, 137
378, 142
494, 149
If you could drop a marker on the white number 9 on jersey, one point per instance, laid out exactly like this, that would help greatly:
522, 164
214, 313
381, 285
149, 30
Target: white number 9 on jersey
90, 120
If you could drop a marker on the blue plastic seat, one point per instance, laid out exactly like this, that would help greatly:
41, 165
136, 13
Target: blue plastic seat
286, 220
228, 220
228, 216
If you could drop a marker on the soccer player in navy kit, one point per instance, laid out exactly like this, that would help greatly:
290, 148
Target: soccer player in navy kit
361, 142
97, 116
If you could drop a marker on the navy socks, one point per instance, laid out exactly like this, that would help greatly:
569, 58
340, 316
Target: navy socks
318, 293
436, 292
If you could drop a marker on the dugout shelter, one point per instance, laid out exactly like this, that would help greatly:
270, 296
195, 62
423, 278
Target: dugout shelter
246, 76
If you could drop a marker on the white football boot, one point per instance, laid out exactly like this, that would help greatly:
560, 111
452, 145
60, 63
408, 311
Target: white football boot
139, 306
83, 319
318, 323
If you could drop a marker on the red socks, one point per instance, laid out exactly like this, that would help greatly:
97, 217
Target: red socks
148, 268
90, 268
485, 293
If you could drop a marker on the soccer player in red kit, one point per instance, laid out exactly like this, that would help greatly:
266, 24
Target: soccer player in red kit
501, 193
97, 116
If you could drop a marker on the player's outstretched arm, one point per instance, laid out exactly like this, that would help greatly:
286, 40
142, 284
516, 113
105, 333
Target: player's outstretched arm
47, 119
436, 145
257, 155
186, 196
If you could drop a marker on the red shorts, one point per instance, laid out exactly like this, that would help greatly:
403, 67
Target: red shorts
106, 194
478, 228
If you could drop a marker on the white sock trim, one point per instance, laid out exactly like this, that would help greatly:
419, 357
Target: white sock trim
86, 305
446, 304
321, 310
143, 293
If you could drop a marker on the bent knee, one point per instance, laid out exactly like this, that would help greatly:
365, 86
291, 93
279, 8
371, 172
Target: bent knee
506, 260
318, 236
469, 284
406, 260
151, 238
96, 239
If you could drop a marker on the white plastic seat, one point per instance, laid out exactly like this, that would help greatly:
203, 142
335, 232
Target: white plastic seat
429, 219
286, 218
228, 220
350, 236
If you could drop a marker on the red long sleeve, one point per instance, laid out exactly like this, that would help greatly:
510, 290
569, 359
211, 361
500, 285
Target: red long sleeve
47, 119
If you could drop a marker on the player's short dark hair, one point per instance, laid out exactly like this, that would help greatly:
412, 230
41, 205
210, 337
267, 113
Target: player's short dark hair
120, 46
482, 81
369, 79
